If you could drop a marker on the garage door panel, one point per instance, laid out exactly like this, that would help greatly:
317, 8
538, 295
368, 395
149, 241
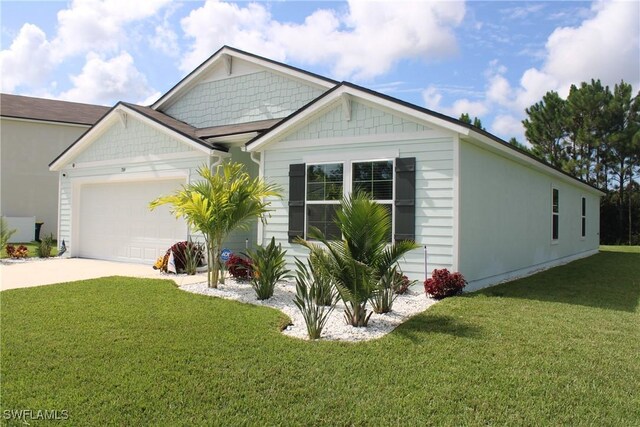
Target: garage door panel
116, 223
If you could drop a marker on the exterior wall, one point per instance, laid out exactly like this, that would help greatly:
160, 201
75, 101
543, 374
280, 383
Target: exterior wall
434, 188
505, 218
364, 120
239, 99
143, 153
28, 188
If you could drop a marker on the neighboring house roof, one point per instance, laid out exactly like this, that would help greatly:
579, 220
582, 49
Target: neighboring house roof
439, 119
26, 107
228, 51
235, 129
168, 124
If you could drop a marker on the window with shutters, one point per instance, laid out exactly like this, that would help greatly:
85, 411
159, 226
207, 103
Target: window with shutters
315, 191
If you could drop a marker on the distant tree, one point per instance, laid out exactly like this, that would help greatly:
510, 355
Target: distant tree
545, 129
513, 141
594, 135
464, 117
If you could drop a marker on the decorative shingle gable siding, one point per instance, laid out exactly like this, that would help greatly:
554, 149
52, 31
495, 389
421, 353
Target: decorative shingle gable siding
246, 98
137, 139
364, 121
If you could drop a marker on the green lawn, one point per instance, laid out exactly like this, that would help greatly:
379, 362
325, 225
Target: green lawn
559, 348
33, 247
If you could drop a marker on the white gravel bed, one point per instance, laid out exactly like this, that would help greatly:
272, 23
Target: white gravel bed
405, 306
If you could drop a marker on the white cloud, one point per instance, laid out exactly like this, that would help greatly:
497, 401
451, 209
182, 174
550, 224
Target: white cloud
506, 124
101, 81
365, 41
97, 25
432, 99
85, 26
27, 61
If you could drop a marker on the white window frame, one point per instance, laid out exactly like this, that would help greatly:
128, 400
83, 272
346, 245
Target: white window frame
319, 202
393, 188
583, 217
555, 214
347, 181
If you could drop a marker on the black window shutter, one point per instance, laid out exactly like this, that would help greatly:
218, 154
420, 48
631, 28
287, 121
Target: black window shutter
405, 202
296, 201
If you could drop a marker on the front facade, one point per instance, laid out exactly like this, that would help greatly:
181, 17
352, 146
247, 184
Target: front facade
476, 204
32, 132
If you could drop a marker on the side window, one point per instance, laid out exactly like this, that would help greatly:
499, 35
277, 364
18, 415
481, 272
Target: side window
584, 217
376, 179
555, 213
323, 194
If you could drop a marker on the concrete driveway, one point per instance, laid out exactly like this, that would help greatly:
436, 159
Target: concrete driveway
58, 270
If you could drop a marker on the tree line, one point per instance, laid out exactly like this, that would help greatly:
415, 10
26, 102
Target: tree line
594, 135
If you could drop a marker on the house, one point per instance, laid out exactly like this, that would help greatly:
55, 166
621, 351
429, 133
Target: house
32, 132
478, 205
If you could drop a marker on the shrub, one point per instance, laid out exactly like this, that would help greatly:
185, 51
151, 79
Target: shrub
402, 283
268, 267
5, 233
383, 298
187, 256
16, 253
323, 292
444, 284
315, 315
240, 268
45, 246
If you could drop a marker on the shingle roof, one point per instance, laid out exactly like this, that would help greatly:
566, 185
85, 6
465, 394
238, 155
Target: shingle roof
224, 130
26, 107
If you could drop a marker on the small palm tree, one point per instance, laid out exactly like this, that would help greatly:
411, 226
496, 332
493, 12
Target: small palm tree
5, 233
361, 259
218, 204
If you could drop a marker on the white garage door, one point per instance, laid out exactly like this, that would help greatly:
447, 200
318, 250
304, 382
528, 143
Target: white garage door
115, 222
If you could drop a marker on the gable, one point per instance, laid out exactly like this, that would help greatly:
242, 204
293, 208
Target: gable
364, 120
246, 98
133, 140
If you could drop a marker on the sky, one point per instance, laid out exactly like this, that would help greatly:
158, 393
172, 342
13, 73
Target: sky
490, 59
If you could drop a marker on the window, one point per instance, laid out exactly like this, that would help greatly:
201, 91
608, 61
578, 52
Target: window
376, 179
555, 212
584, 217
324, 191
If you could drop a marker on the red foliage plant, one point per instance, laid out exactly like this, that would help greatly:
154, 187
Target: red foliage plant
20, 252
444, 284
239, 267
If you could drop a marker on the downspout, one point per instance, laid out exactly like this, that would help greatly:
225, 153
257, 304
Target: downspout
260, 164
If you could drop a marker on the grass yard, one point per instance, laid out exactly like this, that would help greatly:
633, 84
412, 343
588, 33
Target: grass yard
559, 348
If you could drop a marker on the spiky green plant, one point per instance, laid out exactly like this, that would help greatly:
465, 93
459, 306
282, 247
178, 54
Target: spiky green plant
323, 292
269, 267
383, 297
46, 246
217, 204
5, 233
315, 315
364, 255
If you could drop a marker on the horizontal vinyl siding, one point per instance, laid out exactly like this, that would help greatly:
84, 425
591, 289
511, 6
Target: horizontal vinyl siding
434, 196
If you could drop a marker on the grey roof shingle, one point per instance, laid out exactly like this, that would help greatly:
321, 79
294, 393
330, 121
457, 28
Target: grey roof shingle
26, 107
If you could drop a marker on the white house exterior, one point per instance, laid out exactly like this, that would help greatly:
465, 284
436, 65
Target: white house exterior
32, 132
478, 205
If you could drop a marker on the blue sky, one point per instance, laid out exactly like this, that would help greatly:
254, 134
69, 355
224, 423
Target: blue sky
491, 59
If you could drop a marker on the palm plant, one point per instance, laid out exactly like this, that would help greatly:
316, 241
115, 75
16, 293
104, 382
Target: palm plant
364, 255
217, 204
